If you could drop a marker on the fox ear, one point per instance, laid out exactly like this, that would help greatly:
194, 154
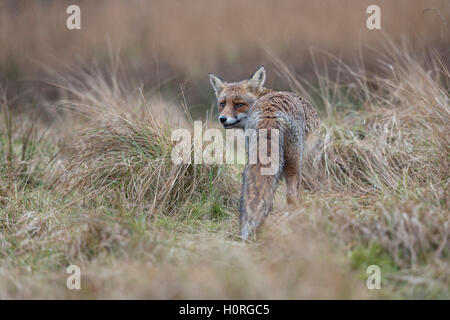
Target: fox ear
217, 83
257, 79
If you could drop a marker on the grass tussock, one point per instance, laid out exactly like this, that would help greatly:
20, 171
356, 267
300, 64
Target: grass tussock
385, 133
126, 151
133, 161
383, 160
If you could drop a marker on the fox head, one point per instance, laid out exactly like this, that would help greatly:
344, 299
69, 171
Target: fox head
235, 99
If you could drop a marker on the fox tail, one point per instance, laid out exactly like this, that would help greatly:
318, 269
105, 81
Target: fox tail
260, 182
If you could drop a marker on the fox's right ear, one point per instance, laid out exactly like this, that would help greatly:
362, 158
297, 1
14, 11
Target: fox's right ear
217, 83
257, 79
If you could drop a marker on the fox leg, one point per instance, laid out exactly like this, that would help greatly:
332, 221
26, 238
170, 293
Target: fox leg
292, 175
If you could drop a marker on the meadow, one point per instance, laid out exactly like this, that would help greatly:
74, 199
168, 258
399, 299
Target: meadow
86, 176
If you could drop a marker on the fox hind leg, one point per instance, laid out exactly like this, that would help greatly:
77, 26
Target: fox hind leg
293, 175
293, 182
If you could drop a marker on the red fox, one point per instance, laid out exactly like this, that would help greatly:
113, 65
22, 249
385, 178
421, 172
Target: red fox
248, 105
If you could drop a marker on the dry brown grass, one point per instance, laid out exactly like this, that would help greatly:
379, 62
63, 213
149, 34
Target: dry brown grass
96, 187
383, 161
209, 265
125, 152
400, 140
141, 227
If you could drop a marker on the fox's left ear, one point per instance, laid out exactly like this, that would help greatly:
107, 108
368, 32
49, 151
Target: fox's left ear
257, 79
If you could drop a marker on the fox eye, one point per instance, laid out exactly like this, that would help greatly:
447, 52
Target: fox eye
238, 105
222, 104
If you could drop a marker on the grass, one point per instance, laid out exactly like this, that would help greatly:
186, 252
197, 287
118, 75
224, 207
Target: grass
97, 189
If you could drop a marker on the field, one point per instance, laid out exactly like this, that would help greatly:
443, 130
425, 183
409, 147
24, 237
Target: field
86, 176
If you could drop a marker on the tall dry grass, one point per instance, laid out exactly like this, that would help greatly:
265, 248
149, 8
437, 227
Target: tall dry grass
126, 150
380, 174
400, 140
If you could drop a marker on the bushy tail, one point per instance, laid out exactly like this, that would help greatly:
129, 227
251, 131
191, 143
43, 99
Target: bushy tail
258, 188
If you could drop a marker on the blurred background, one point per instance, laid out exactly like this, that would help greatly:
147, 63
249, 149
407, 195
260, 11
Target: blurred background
171, 46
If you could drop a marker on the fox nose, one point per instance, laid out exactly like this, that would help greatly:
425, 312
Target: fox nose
222, 119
